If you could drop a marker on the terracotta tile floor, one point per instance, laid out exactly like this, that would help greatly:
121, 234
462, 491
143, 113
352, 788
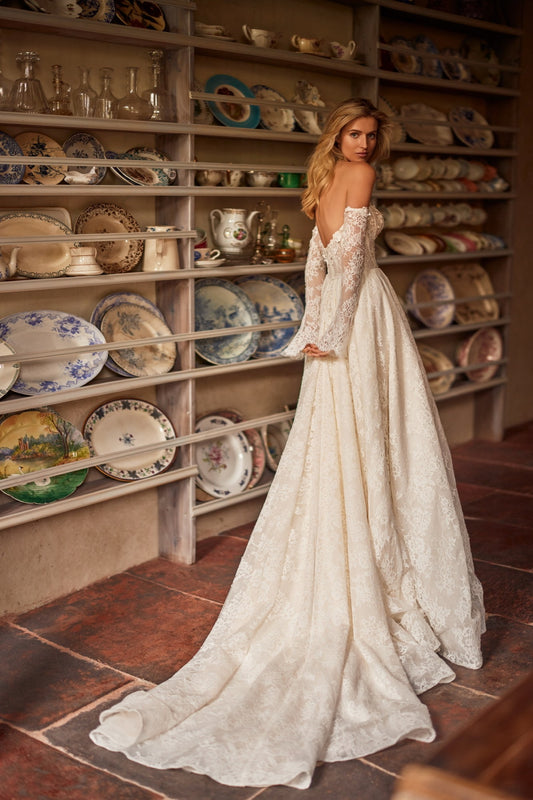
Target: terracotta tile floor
64, 662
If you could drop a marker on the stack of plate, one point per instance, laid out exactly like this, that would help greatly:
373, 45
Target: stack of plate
143, 176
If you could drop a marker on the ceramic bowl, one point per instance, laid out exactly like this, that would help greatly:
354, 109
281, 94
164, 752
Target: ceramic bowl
485, 345
258, 177
430, 285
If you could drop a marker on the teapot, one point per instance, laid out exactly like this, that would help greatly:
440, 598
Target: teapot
8, 268
231, 229
343, 51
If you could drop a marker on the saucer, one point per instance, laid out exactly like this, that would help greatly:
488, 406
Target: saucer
209, 262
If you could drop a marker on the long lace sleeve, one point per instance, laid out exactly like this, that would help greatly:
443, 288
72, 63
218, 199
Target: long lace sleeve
315, 271
351, 256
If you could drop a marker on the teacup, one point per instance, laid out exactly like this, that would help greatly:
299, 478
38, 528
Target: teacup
343, 51
306, 45
290, 180
234, 177
260, 37
209, 177
258, 177
205, 254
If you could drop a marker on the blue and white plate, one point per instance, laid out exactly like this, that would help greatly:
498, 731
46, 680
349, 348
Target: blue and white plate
10, 173
464, 122
431, 63
274, 118
225, 461
274, 301
221, 304
235, 115
8, 372
31, 332
149, 175
83, 145
100, 10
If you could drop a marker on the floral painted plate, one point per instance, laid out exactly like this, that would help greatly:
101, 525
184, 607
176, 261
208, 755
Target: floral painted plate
83, 145
274, 118
99, 10
221, 304
274, 301
120, 425
225, 461
43, 259
128, 321
39, 439
121, 255
236, 115
256, 445
483, 347
40, 145
8, 372
10, 173
30, 332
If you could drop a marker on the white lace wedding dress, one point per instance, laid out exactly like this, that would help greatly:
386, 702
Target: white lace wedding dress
358, 576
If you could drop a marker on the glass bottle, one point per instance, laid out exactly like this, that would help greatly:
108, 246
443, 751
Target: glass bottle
158, 95
27, 93
84, 96
105, 105
132, 105
59, 103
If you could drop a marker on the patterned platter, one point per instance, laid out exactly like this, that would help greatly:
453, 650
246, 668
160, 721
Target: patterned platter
41, 260
128, 321
100, 10
8, 372
41, 331
225, 461
10, 173
120, 425
145, 176
35, 440
121, 255
274, 118
84, 145
274, 301
42, 146
221, 304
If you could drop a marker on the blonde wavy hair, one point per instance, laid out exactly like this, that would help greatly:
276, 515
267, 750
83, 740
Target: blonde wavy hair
327, 152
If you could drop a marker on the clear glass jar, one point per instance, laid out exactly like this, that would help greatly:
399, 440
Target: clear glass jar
132, 105
158, 94
105, 105
27, 93
84, 96
59, 103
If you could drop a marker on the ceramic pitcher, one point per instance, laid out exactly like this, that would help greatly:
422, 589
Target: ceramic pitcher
231, 228
160, 255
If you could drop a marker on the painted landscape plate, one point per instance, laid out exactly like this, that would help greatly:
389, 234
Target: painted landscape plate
274, 301
42, 260
236, 115
39, 439
221, 304
83, 145
10, 173
30, 332
121, 255
42, 146
128, 321
224, 462
8, 372
120, 425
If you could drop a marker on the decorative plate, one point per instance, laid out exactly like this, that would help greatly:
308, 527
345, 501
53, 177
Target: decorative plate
224, 462
140, 14
481, 53
121, 255
471, 280
35, 440
454, 68
421, 123
145, 176
430, 285
255, 441
297, 282
464, 122
485, 345
221, 304
431, 63
309, 121
275, 438
100, 10
274, 118
232, 114
83, 145
119, 425
40, 145
407, 62
111, 300
435, 361
274, 301
38, 331
398, 132
403, 243
42, 260
128, 321
62, 8
10, 173
8, 372
202, 115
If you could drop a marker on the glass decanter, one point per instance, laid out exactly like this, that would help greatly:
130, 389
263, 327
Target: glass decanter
105, 105
59, 103
27, 93
158, 94
132, 105
84, 96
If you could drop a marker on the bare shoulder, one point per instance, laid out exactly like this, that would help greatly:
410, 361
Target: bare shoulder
357, 178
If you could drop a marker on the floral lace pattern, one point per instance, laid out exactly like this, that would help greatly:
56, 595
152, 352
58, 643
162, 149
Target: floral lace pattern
357, 579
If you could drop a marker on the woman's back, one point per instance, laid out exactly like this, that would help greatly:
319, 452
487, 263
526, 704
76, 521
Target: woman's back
351, 186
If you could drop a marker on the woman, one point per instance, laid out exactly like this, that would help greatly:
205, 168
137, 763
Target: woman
358, 576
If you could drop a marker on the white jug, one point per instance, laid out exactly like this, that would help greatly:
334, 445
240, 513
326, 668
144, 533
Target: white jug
160, 255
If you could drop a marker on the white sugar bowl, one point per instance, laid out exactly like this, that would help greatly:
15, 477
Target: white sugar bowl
83, 261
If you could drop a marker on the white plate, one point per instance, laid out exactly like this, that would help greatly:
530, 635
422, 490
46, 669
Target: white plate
224, 462
122, 424
422, 124
274, 301
274, 118
8, 372
31, 332
42, 260
128, 321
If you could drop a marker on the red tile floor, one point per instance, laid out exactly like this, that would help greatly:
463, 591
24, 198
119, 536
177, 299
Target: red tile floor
64, 662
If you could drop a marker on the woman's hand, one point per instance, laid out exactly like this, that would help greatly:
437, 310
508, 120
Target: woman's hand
312, 350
